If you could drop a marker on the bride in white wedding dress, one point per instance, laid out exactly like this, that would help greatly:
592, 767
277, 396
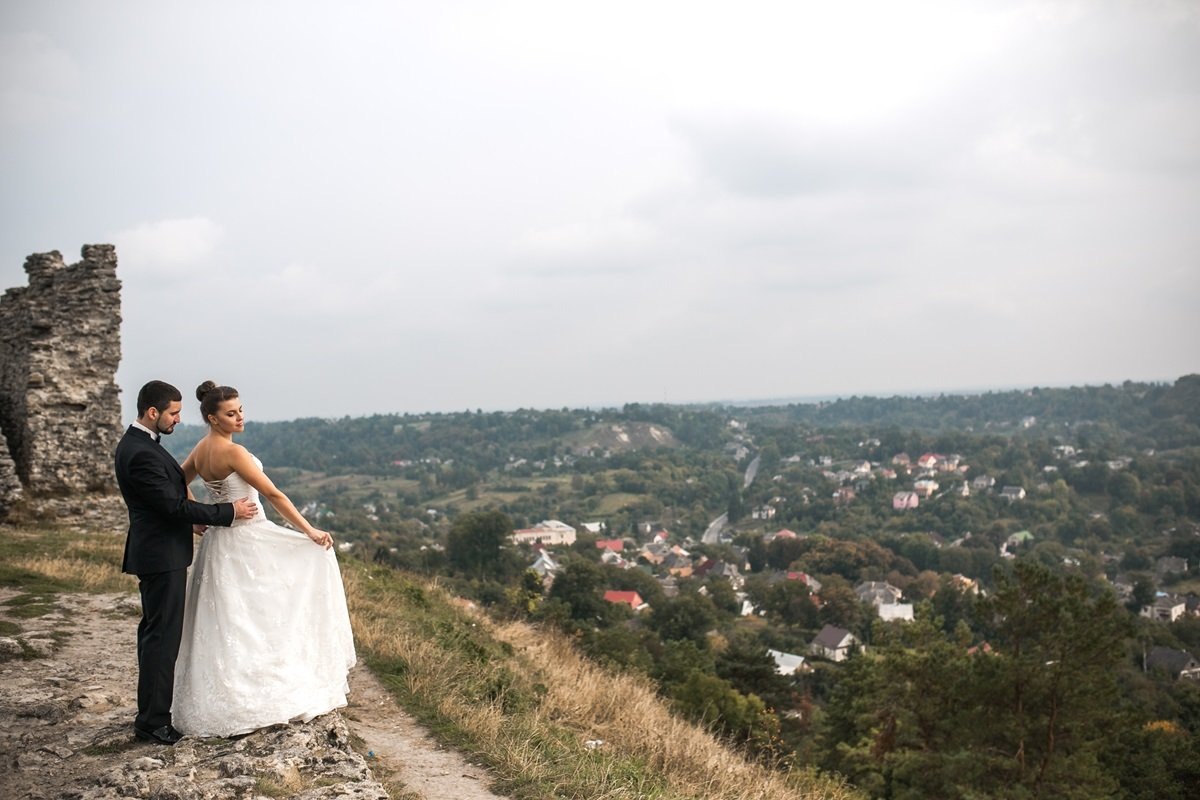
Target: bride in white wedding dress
266, 633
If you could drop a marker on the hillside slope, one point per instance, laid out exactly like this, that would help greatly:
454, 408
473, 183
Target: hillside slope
542, 720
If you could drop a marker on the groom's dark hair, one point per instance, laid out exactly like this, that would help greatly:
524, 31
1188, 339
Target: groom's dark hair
158, 394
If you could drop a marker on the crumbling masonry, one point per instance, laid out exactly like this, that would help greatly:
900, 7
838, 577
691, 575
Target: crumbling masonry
60, 344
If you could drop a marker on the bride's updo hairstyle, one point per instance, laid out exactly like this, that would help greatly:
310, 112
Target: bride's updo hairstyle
211, 396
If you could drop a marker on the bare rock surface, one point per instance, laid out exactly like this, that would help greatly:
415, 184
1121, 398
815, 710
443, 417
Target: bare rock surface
67, 701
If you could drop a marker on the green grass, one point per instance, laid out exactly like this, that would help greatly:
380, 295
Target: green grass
112, 748
612, 503
27, 606
354, 486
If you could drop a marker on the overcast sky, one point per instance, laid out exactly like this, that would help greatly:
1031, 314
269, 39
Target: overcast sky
360, 207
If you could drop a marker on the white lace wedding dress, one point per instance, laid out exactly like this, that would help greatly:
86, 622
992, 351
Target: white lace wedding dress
266, 633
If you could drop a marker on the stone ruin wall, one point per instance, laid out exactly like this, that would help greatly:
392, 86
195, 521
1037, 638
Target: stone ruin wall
60, 344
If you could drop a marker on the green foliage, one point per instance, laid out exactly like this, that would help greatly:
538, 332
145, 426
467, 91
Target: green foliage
1042, 698
741, 718
580, 588
916, 716
474, 543
686, 617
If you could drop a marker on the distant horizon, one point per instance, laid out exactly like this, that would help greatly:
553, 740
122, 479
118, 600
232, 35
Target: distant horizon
810, 399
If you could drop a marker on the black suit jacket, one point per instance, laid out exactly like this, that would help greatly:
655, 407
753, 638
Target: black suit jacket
160, 514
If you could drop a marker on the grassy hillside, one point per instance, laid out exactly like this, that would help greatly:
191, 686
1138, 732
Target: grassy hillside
548, 723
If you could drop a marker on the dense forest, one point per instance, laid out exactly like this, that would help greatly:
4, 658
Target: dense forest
1043, 545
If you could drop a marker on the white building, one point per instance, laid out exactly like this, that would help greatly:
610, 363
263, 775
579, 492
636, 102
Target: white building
786, 663
548, 532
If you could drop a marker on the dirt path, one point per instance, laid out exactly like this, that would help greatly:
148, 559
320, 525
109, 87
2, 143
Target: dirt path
67, 700
405, 750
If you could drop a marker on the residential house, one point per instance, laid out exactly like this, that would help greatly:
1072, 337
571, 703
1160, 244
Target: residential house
615, 545
877, 592
925, 487
1166, 607
545, 566
1011, 493
614, 559
763, 512
889, 612
843, 495
548, 532
1170, 565
678, 565
631, 599
902, 500
901, 459
964, 584
594, 528
814, 585
783, 534
983, 482
1019, 538
787, 663
928, 460
654, 553
833, 643
719, 569
1014, 541
1176, 663
950, 463
729, 572
1124, 584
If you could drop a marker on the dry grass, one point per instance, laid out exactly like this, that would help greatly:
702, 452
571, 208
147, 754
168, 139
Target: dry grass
59, 560
86, 562
526, 702
625, 712
88, 576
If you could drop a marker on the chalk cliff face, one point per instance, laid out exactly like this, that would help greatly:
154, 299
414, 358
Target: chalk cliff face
60, 344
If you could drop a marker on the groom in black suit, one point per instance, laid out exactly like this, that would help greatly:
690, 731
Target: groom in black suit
162, 518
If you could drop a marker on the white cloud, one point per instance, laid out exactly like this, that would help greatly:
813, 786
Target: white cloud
167, 246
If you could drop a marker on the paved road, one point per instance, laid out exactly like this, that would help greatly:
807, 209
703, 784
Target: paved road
712, 535
751, 472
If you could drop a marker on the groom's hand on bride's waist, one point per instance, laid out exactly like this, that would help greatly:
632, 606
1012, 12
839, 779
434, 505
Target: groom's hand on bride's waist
244, 509
199, 529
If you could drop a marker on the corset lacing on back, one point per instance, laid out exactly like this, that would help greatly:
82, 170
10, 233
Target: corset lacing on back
232, 487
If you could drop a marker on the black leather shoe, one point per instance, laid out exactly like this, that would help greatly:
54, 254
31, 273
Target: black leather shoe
164, 735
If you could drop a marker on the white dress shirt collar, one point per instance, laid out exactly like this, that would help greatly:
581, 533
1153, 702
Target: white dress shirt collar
141, 427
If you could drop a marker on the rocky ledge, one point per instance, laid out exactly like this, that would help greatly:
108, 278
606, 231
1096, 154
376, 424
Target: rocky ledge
66, 710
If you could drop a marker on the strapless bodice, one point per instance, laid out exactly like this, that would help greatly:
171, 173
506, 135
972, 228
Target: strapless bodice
234, 487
